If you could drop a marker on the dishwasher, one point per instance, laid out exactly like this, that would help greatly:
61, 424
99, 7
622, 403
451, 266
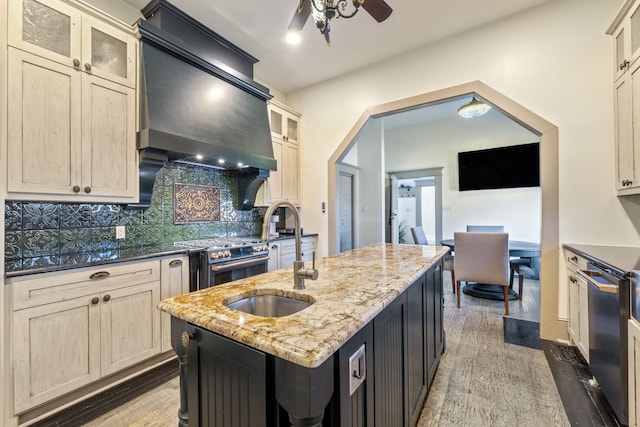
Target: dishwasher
608, 315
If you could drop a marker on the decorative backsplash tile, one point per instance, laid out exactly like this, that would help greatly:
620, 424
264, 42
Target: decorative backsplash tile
44, 233
195, 204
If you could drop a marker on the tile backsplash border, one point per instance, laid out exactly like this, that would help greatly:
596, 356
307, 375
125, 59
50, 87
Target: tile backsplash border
44, 229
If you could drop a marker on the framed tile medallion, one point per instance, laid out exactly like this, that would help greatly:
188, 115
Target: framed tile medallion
195, 204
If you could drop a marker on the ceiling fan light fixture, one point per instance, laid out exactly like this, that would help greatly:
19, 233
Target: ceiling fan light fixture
473, 109
293, 37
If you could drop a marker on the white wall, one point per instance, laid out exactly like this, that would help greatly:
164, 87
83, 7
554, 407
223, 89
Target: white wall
371, 180
436, 144
554, 60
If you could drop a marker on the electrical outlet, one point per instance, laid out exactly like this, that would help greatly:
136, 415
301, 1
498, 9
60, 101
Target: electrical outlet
120, 232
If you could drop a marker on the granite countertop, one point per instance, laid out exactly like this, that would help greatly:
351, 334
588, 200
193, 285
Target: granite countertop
625, 259
46, 264
351, 289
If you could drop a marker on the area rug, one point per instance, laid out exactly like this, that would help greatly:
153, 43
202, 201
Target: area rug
521, 332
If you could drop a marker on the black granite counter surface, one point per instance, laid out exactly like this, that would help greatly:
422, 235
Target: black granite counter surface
625, 259
290, 236
45, 264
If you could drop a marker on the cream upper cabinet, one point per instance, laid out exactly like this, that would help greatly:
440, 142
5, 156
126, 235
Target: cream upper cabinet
284, 183
60, 32
284, 122
625, 31
72, 122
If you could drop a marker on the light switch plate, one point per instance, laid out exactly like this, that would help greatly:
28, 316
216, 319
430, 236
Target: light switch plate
120, 232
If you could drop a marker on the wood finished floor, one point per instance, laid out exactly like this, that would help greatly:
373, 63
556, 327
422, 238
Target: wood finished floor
481, 381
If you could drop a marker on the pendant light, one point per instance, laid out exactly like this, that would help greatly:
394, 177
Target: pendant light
473, 109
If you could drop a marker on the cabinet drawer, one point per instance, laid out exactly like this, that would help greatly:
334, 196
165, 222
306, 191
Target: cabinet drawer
574, 261
47, 288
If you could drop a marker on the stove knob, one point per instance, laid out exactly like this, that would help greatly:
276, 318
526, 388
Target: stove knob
214, 255
227, 254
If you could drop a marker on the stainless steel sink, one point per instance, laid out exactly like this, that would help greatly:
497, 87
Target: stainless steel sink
270, 304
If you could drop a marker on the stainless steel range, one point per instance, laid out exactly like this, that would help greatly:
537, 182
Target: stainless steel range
221, 260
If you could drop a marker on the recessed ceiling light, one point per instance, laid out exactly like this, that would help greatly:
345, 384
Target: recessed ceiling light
199, 156
293, 37
221, 161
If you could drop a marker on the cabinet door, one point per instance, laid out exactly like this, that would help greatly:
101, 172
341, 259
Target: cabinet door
43, 126
226, 383
289, 173
574, 305
174, 280
434, 319
583, 322
130, 326
108, 139
287, 253
627, 101
634, 372
274, 257
56, 350
48, 28
389, 352
274, 190
108, 52
284, 125
417, 347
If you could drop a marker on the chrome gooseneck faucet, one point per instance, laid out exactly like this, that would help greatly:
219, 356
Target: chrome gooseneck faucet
299, 272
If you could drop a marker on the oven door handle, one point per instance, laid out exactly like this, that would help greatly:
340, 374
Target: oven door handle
609, 288
227, 266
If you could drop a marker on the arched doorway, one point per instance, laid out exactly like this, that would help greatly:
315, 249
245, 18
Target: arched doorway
550, 326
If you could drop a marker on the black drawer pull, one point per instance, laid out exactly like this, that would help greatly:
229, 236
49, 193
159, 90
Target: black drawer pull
99, 275
175, 262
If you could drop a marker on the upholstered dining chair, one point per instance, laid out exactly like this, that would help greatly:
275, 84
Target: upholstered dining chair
482, 258
419, 238
485, 228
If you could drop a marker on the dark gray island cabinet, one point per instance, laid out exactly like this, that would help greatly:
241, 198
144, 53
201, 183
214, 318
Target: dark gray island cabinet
225, 383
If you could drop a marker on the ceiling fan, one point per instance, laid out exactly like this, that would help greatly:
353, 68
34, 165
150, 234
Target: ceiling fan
324, 10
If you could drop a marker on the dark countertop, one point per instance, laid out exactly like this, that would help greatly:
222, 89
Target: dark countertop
45, 264
285, 237
625, 259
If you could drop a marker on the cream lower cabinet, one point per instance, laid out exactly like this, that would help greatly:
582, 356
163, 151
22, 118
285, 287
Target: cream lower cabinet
288, 250
634, 372
174, 280
578, 303
72, 328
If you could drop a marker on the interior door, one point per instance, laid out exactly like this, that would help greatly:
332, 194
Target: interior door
346, 211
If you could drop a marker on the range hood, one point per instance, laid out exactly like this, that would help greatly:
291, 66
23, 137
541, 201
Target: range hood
196, 108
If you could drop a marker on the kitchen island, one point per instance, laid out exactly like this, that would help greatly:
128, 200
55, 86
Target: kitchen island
367, 347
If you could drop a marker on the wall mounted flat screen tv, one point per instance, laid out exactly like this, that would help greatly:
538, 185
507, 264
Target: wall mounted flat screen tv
503, 167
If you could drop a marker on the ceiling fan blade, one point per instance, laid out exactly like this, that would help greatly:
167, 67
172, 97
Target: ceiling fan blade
379, 9
300, 16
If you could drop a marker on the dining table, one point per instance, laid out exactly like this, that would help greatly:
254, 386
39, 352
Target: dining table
517, 248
